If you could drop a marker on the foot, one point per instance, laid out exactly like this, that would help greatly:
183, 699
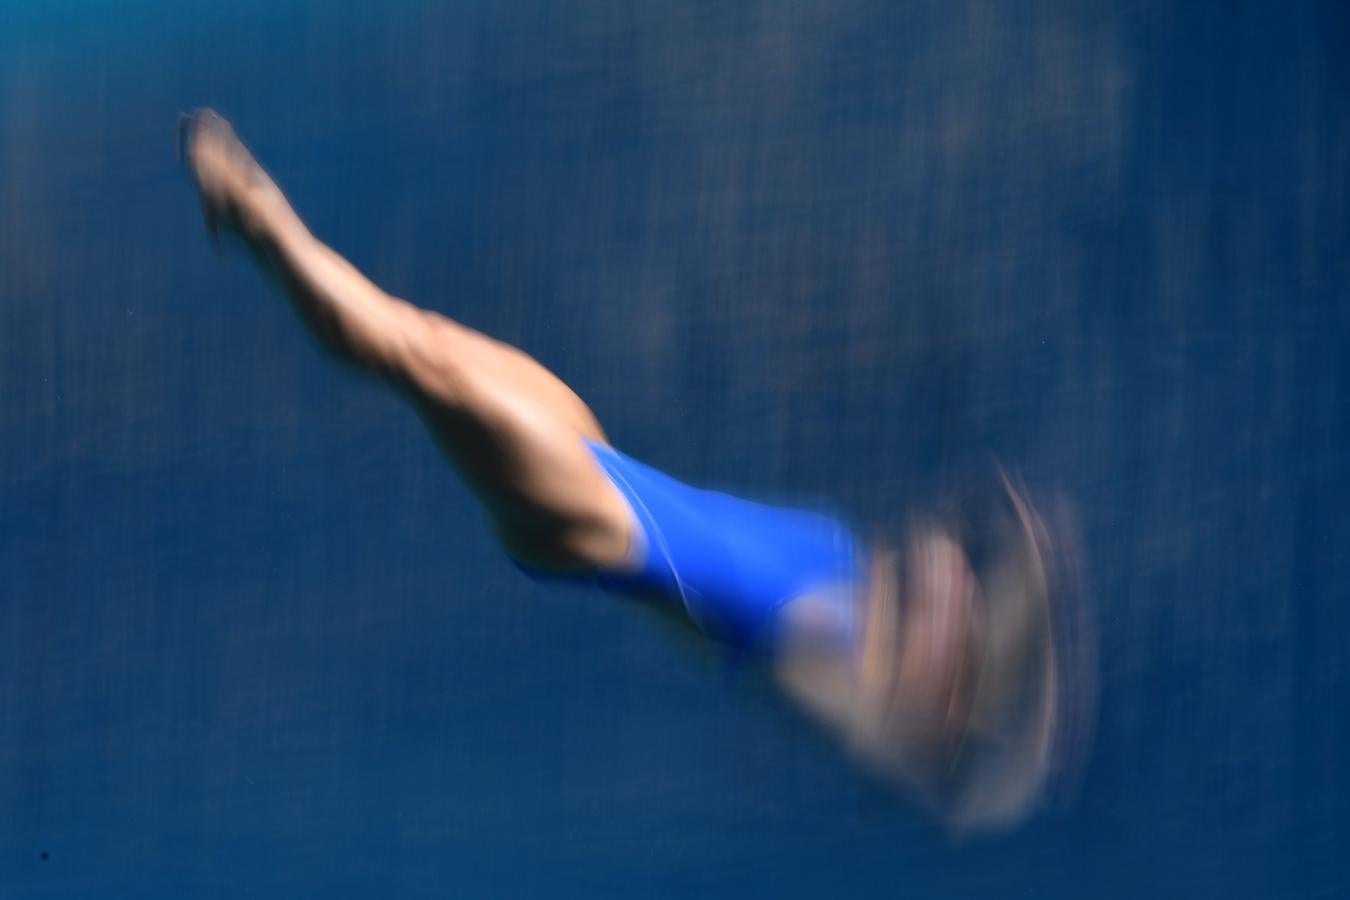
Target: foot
234, 188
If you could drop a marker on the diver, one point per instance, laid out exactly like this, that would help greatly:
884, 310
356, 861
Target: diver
943, 664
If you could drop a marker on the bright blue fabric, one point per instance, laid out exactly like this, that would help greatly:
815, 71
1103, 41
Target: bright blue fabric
730, 563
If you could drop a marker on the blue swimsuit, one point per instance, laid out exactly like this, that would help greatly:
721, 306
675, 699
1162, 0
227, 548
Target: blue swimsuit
731, 564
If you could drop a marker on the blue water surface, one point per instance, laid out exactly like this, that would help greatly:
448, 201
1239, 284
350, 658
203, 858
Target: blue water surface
254, 640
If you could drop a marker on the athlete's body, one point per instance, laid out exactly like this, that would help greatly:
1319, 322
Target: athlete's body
894, 651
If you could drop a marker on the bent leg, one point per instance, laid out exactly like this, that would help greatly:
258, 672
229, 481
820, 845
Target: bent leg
512, 429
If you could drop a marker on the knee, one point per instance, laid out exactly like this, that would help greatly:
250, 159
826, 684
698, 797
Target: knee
429, 358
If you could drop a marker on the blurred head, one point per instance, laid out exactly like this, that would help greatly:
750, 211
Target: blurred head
971, 676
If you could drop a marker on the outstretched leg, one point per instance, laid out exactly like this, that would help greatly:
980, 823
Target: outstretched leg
512, 429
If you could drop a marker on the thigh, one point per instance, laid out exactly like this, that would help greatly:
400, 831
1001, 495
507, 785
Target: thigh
511, 368
517, 435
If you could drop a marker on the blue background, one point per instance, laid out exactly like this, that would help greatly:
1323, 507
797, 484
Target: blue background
254, 640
